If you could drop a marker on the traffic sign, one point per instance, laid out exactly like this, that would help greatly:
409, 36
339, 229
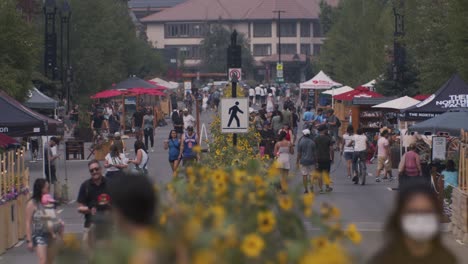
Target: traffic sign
280, 80
279, 74
279, 66
187, 86
235, 74
234, 115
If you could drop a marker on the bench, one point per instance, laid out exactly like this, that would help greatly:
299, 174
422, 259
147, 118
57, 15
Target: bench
75, 148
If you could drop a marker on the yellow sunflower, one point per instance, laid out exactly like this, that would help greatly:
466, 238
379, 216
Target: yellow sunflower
266, 221
285, 202
330, 253
308, 199
204, 257
252, 245
353, 234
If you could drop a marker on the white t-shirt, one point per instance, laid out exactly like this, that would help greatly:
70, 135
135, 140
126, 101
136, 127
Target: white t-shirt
262, 92
360, 143
273, 90
189, 120
347, 139
381, 144
251, 92
258, 90
116, 161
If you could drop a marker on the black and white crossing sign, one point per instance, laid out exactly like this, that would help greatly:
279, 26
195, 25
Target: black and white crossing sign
234, 115
235, 74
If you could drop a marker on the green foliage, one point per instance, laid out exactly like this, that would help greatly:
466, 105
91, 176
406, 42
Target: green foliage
408, 85
18, 51
354, 51
105, 47
328, 15
214, 50
458, 33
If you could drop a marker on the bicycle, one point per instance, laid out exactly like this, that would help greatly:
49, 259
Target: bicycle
361, 169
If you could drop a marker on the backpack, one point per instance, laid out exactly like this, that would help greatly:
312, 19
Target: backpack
338, 122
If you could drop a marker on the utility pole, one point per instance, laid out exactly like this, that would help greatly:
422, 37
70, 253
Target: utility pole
399, 52
279, 65
234, 60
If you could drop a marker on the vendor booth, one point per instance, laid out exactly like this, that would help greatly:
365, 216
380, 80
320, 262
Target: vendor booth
453, 94
321, 81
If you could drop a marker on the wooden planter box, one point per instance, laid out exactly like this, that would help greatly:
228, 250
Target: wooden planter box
460, 214
3, 228
21, 210
12, 222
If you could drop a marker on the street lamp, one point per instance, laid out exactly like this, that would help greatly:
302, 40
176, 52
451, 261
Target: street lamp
50, 37
65, 15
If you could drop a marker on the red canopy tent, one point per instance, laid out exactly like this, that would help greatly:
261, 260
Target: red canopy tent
108, 94
421, 97
359, 91
6, 141
148, 91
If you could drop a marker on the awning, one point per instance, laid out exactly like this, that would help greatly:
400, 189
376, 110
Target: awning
108, 94
6, 141
38, 100
452, 122
357, 93
398, 104
338, 91
320, 81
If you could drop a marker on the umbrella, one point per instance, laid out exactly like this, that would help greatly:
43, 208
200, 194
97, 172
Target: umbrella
399, 103
360, 91
149, 91
135, 82
6, 141
108, 94
452, 121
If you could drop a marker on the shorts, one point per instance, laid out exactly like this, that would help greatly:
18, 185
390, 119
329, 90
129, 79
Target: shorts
307, 169
40, 239
382, 165
348, 155
257, 98
324, 166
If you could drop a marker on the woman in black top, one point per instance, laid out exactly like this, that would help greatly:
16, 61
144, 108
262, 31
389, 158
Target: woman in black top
413, 230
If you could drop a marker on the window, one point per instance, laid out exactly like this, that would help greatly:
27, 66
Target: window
262, 30
288, 29
305, 49
184, 30
317, 29
186, 51
305, 29
288, 49
317, 48
262, 49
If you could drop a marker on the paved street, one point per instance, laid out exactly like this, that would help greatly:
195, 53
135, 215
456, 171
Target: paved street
366, 206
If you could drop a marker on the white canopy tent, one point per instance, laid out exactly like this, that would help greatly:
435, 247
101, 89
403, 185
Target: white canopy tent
399, 103
320, 81
370, 85
169, 85
337, 91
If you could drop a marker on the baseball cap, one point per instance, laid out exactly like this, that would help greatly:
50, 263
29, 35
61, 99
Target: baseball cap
306, 132
185, 110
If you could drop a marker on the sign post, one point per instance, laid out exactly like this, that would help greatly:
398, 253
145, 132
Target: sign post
279, 72
439, 148
234, 60
234, 115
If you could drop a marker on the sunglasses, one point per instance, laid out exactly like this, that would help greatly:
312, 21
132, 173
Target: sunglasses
94, 170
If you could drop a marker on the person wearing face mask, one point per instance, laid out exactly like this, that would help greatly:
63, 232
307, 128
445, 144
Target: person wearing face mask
413, 230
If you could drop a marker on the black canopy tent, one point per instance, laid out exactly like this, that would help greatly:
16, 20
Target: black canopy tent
38, 100
449, 122
453, 94
17, 120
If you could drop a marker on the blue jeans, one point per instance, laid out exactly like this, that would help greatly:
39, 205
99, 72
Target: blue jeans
361, 155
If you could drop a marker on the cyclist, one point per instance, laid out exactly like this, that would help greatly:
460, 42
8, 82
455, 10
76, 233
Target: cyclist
361, 144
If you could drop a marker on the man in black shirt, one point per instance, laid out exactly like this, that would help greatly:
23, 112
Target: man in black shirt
137, 121
325, 155
92, 196
98, 123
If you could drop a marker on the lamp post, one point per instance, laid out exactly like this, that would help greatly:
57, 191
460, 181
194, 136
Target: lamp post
50, 37
279, 66
65, 70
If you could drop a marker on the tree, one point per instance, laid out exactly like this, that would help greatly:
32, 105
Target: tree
18, 51
458, 34
354, 51
105, 48
328, 15
214, 46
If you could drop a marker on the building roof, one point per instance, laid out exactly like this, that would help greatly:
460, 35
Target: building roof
212, 10
153, 3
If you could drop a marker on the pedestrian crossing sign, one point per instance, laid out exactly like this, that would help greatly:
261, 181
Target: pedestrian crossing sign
234, 115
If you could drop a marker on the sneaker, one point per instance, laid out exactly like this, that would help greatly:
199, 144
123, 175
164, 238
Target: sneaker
385, 178
391, 178
306, 191
152, 150
377, 179
329, 189
363, 183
